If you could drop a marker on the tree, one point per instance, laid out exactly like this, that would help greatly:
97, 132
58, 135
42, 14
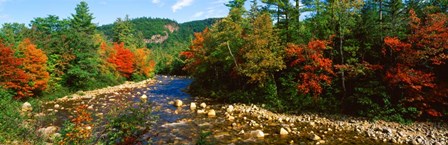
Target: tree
144, 66
316, 71
83, 69
414, 65
13, 33
123, 59
81, 21
35, 66
11, 76
261, 55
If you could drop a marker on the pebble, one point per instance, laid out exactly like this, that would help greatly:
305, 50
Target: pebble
229, 109
27, 107
315, 137
192, 106
203, 105
56, 106
283, 131
178, 103
211, 113
201, 111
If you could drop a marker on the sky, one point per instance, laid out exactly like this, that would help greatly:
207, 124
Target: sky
107, 11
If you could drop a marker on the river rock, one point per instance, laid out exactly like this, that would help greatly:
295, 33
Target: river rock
27, 107
201, 111
192, 106
229, 109
283, 131
258, 133
178, 103
203, 105
143, 97
315, 137
90, 107
211, 113
56, 106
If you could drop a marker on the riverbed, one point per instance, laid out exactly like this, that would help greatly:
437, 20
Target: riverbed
240, 125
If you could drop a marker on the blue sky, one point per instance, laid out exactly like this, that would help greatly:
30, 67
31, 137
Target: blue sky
107, 11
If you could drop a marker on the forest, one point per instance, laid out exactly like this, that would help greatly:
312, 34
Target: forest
376, 59
379, 59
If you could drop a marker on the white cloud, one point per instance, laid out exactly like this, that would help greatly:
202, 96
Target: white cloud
180, 4
156, 1
198, 14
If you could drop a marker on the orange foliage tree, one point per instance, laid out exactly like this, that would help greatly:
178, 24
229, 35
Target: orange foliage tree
413, 63
195, 55
34, 65
11, 76
142, 64
123, 60
315, 70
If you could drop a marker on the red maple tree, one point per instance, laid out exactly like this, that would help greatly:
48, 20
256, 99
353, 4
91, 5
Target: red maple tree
315, 70
11, 76
123, 60
412, 63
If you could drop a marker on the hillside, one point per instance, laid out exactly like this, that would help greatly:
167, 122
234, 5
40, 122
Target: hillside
160, 30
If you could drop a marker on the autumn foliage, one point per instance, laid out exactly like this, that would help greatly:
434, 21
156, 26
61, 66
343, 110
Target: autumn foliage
194, 56
142, 63
413, 64
34, 65
11, 76
123, 59
315, 70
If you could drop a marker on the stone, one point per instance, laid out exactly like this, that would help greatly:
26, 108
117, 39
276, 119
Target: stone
315, 137
234, 124
143, 97
201, 111
312, 124
178, 103
203, 105
48, 131
230, 109
192, 106
241, 132
56, 106
90, 107
230, 118
283, 131
211, 113
27, 107
258, 133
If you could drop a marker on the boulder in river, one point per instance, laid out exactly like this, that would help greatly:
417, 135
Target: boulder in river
283, 131
27, 107
178, 103
258, 133
211, 113
203, 105
143, 97
192, 106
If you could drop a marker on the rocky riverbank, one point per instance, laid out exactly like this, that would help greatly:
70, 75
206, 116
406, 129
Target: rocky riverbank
386, 132
108, 90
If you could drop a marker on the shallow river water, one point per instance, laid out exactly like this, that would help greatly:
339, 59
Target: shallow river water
180, 125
